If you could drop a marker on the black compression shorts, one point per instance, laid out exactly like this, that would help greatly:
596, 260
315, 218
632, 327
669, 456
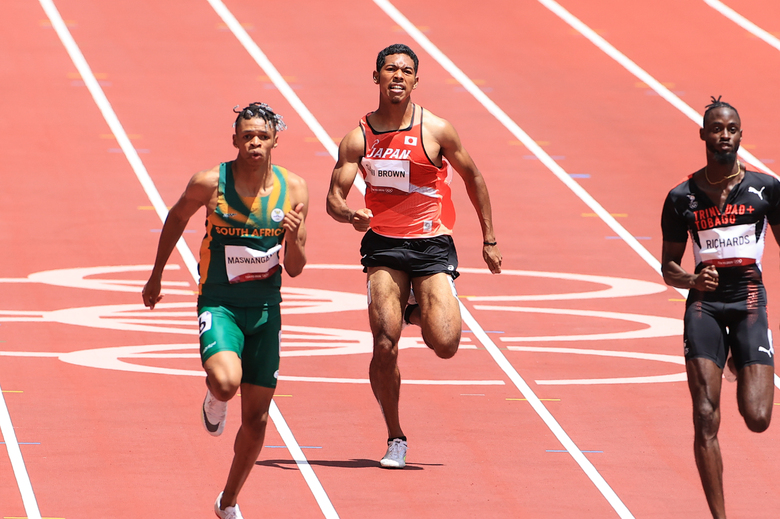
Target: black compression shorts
712, 329
415, 256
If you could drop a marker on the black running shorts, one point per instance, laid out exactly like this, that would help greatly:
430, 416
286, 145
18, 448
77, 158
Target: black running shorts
712, 329
415, 256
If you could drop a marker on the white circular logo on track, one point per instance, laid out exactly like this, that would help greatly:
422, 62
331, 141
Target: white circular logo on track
179, 318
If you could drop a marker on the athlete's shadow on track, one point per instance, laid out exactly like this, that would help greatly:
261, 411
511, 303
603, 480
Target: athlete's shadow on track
345, 464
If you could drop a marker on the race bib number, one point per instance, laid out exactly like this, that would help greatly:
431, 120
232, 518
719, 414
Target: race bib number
245, 264
204, 322
729, 243
387, 174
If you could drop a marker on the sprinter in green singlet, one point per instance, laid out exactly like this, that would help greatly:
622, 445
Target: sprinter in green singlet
253, 210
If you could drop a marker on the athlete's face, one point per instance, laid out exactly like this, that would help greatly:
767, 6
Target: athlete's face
254, 139
397, 77
722, 134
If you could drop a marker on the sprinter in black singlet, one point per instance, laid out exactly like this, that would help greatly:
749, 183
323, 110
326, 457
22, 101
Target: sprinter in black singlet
253, 210
727, 211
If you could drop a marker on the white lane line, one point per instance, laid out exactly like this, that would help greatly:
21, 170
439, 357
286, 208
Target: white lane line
639, 73
470, 321
743, 22
649, 80
518, 132
260, 58
303, 464
154, 196
546, 416
113, 122
17, 462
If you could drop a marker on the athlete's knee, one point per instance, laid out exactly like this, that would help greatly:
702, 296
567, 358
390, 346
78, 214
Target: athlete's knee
757, 420
706, 420
254, 424
446, 350
223, 384
442, 336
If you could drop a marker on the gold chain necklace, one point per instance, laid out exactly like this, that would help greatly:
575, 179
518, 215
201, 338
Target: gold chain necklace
739, 170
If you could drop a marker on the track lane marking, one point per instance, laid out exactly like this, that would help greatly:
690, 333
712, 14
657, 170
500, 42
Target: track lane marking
91, 82
17, 462
162, 211
280, 83
546, 416
639, 72
743, 22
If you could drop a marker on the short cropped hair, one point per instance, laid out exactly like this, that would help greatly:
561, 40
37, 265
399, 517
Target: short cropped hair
396, 48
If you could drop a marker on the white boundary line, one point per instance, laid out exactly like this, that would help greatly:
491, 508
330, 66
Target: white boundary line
116, 127
518, 132
154, 196
743, 22
649, 80
545, 415
17, 462
639, 73
471, 322
260, 58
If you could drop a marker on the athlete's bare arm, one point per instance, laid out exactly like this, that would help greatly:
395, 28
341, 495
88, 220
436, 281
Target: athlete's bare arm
294, 224
674, 275
201, 191
439, 132
350, 153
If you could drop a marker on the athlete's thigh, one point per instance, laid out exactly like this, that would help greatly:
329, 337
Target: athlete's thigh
437, 297
750, 339
704, 333
262, 348
221, 342
388, 292
756, 388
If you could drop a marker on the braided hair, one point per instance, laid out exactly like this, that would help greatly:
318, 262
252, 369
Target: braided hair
717, 103
263, 111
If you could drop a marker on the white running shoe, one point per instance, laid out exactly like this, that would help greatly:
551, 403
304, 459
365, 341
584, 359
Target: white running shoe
230, 512
213, 414
395, 457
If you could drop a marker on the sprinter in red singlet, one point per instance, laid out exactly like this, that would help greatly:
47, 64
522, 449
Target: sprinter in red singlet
406, 156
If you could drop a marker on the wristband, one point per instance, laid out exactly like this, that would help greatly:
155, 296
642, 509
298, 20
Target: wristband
491, 243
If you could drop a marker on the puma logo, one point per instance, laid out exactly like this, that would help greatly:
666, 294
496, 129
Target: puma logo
769, 351
760, 194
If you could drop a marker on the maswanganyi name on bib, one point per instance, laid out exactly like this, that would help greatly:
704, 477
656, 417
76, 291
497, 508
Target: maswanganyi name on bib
246, 264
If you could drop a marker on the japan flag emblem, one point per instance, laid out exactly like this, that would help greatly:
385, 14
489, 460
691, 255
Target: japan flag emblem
410, 141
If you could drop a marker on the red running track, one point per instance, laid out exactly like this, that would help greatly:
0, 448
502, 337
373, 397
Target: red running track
104, 439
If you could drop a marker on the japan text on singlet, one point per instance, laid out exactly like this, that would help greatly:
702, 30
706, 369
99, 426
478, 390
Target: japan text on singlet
731, 238
239, 256
407, 193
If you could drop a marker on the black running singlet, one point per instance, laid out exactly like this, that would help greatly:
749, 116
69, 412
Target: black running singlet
732, 238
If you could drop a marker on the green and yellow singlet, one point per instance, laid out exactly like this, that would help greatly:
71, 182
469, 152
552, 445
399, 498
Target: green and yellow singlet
240, 254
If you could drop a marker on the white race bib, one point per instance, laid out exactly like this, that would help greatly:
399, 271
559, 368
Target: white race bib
723, 243
245, 264
393, 174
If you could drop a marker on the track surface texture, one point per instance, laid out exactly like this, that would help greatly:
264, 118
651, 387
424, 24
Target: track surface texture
568, 398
